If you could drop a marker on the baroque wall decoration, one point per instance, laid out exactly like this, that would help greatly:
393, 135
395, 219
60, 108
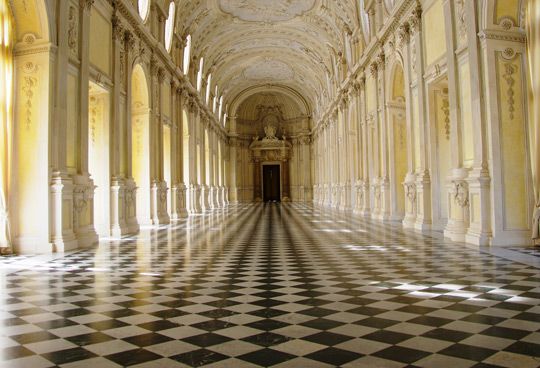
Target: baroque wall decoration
73, 31
266, 11
509, 71
272, 69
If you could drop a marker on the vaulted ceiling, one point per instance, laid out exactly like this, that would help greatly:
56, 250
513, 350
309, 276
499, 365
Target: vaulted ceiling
250, 43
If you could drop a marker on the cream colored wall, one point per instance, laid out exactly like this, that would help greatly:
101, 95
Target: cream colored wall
434, 32
466, 114
100, 42
513, 145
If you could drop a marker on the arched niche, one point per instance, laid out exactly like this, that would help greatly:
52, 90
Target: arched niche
140, 142
398, 138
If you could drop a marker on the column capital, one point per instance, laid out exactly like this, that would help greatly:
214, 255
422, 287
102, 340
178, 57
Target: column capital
117, 28
415, 20
86, 4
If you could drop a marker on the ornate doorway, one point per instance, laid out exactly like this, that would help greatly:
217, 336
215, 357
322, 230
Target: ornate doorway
271, 183
273, 155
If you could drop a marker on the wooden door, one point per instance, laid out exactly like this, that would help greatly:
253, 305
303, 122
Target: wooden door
271, 183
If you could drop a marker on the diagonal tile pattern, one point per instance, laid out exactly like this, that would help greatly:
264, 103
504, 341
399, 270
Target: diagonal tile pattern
272, 285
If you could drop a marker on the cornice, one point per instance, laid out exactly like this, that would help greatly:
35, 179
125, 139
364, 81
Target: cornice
498, 35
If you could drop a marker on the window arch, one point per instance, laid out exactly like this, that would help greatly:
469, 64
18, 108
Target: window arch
144, 8
364, 21
187, 54
169, 26
200, 75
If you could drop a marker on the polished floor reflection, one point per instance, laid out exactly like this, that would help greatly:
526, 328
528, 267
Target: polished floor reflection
273, 285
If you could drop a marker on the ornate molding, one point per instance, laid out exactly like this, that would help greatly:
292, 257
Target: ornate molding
509, 71
73, 31
86, 4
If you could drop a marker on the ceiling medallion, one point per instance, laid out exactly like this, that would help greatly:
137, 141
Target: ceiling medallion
266, 10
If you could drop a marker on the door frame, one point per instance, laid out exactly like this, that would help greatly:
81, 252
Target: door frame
273, 163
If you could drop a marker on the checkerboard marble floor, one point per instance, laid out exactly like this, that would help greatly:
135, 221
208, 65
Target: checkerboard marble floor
272, 285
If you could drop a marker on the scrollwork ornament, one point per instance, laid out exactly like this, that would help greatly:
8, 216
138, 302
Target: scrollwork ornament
462, 18
117, 28
403, 34
373, 69
73, 31
415, 20
130, 41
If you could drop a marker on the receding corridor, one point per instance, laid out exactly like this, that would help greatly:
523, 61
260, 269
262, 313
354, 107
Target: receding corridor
286, 285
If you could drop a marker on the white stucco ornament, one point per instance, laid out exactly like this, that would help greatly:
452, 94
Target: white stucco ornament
266, 10
270, 69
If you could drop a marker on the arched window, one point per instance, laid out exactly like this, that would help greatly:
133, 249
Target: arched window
208, 85
144, 7
215, 100
200, 74
169, 27
220, 106
364, 21
187, 54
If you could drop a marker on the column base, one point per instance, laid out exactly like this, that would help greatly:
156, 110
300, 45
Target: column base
87, 237
480, 239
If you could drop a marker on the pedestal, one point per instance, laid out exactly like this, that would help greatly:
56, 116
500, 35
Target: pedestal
62, 234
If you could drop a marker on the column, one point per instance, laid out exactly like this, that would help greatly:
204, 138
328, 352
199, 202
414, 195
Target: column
423, 180
384, 179
286, 196
479, 180
119, 225
130, 187
83, 190
62, 237
365, 209
458, 210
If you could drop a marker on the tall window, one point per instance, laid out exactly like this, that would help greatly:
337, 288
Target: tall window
200, 75
144, 7
187, 54
208, 85
364, 21
169, 27
220, 106
215, 100
6, 103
